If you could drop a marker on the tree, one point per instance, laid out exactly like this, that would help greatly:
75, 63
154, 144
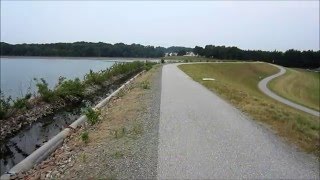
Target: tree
182, 52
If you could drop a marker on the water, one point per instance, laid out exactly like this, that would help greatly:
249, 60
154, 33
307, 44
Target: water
17, 74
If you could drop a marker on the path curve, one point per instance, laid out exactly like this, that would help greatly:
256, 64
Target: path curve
201, 136
264, 88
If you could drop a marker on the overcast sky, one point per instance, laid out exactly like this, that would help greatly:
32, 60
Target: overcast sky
248, 25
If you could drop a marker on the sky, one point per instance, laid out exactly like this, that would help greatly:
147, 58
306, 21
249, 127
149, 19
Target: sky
264, 25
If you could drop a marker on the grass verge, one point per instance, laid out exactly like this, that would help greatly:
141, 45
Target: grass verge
300, 86
237, 83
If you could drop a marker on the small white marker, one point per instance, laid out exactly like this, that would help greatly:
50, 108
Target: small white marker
208, 79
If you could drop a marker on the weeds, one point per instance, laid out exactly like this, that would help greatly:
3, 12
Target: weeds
83, 157
145, 85
70, 88
22, 103
119, 133
92, 115
118, 155
4, 105
85, 137
45, 92
137, 129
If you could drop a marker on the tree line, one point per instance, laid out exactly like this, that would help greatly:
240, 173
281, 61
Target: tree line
289, 58
82, 49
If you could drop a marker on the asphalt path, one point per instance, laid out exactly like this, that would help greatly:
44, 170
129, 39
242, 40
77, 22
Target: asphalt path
203, 137
264, 88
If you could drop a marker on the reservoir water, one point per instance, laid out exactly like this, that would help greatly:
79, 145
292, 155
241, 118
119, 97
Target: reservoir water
17, 74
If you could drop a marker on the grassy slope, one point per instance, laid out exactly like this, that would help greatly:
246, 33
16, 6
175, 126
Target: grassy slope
189, 58
306, 94
237, 82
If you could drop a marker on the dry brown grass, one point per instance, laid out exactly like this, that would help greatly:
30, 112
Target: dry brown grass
121, 110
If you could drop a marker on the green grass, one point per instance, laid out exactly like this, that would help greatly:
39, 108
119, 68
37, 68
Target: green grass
299, 86
238, 84
194, 59
188, 58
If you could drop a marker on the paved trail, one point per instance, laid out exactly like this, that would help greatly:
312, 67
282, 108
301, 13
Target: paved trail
263, 87
202, 136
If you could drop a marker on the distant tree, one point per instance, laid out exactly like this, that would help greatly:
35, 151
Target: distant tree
182, 52
289, 58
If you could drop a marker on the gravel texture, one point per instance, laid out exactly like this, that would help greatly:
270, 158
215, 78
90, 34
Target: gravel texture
203, 137
264, 88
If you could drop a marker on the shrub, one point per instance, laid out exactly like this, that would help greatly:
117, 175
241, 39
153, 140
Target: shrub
22, 103
46, 94
95, 77
162, 61
92, 115
148, 65
85, 137
70, 88
4, 105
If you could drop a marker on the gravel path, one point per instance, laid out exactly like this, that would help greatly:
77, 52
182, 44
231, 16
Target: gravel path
203, 137
263, 87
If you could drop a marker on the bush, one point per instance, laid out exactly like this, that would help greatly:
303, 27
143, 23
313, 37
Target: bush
85, 137
92, 115
115, 70
95, 77
70, 88
162, 61
4, 105
46, 94
22, 103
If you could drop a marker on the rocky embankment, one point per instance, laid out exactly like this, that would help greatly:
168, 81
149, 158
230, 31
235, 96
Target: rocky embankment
38, 109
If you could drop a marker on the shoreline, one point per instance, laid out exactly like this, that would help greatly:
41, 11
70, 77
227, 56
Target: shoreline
79, 58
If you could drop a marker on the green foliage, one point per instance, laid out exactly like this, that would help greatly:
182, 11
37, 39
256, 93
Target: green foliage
45, 92
182, 52
70, 88
85, 137
4, 105
92, 115
289, 58
81, 49
162, 61
117, 69
148, 65
95, 77
20, 103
